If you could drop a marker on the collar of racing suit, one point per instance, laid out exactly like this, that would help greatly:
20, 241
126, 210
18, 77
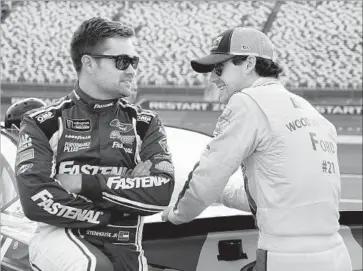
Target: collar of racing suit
92, 103
264, 81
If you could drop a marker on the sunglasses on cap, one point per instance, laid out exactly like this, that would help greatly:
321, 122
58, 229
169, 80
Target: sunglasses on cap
122, 62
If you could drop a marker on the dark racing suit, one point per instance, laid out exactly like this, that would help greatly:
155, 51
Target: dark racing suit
103, 141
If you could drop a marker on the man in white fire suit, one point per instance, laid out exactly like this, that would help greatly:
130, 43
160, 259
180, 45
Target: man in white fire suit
290, 153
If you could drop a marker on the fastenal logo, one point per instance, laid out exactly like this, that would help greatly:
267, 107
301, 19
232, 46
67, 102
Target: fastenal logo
123, 127
119, 145
119, 182
45, 200
68, 167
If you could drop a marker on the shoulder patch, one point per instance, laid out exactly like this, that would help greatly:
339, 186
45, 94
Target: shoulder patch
47, 118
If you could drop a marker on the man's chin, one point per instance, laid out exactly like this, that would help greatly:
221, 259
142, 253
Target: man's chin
223, 100
125, 92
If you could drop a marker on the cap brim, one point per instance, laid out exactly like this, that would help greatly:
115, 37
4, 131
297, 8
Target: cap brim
206, 64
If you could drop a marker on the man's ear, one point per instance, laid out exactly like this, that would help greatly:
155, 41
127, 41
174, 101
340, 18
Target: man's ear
87, 63
250, 63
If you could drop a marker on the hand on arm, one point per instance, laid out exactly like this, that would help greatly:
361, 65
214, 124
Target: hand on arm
147, 189
73, 183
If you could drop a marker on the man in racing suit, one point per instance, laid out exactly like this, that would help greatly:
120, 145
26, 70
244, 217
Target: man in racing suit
292, 178
91, 165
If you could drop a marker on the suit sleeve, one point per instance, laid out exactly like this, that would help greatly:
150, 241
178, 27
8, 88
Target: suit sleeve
145, 195
42, 197
235, 138
234, 194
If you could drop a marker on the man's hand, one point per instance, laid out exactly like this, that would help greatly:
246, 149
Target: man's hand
165, 213
71, 183
141, 169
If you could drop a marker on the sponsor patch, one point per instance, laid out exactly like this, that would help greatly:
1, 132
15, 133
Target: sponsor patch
165, 166
76, 146
226, 115
115, 134
24, 168
44, 116
123, 127
245, 47
68, 167
78, 137
218, 130
164, 145
25, 156
44, 199
25, 142
144, 118
98, 233
78, 125
216, 42
119, 145
98, 106
123, 236
162, 156
223, 122
119, 182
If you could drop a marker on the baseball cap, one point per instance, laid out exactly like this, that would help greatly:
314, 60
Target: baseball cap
235, 41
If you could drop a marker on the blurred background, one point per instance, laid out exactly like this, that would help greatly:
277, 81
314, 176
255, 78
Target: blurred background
319, 45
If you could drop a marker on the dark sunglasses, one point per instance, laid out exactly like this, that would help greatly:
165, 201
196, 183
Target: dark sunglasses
218, 68
236, 60
122, 61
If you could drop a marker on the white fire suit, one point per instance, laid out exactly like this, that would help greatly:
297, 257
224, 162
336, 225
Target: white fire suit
290, 154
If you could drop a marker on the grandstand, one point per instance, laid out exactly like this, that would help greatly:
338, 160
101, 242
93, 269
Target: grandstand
319, 44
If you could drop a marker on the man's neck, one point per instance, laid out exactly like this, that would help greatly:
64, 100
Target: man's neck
91, 89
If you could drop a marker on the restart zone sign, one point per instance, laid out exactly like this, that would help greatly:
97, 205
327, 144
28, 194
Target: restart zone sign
214, 106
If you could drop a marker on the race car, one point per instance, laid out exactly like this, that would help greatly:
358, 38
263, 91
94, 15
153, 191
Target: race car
219, 239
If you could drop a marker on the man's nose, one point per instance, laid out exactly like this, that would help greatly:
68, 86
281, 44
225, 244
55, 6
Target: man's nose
130, 70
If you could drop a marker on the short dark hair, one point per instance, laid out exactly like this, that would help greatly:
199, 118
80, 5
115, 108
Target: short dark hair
90, 36
264, 67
